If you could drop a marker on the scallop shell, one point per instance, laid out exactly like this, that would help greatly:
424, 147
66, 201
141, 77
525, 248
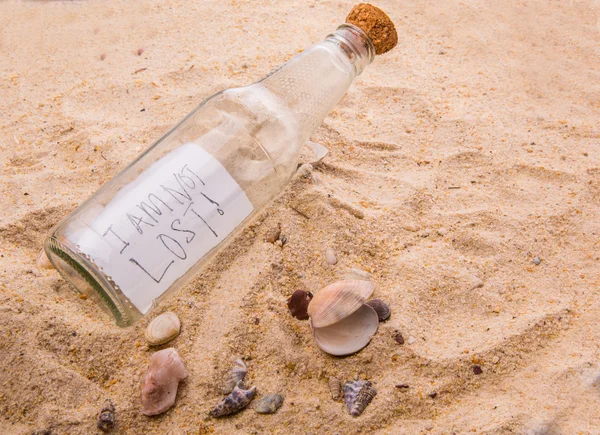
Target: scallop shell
381, 308
357, 395
350, 334
335, 388
163, 328
160, 383
237, 400
338, 301
236, 374
269, 404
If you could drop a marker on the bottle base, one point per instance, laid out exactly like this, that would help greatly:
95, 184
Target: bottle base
82, 277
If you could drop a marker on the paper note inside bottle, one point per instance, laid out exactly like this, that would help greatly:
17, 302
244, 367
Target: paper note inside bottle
162, 223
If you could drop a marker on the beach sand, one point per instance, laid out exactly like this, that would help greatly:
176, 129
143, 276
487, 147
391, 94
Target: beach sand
455, 160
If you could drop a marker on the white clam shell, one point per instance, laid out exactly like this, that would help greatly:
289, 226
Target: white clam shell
350, 334
163, 328
337, 301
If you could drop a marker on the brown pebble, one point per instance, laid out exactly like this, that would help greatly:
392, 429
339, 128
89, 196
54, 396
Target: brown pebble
376, 24
477, 370
140, 51
433, 395
273, 235
256, 320
298, 304
283, 240
402, 386
399, 338
103, 56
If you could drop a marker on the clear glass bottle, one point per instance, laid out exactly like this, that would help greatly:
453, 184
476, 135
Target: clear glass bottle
153, 226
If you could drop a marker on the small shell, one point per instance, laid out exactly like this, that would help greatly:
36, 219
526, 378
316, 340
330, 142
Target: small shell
236, 374
269, 404
312, 153
350, 334
357, 395
338, 301
163, 328
335, 388
331, 257
237, 400
381, 308
298, 304
107, 416
43, 262
159, 384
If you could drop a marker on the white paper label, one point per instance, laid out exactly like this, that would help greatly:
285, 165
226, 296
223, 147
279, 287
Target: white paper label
161, 224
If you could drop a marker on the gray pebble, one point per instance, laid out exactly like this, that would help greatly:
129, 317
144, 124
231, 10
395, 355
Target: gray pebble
269, 404
536, 260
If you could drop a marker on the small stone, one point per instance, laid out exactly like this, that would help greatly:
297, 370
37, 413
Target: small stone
442, 231
269, 404
496, 359
411, 340
536, 260
402, 386
399, 338
381, 308
433, 395
330, 257
140, 51
411, 226
298, 304
283, 241
477, 370
273, 235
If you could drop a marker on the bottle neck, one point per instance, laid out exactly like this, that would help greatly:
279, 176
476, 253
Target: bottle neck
356, 45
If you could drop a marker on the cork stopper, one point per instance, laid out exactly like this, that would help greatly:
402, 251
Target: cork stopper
376, 24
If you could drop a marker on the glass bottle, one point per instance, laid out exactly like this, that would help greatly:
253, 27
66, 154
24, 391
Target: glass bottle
160, 220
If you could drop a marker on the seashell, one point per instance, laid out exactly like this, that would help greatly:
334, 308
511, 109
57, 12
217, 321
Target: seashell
357, 395
107, 416
331, 257
43, 262
237, 400
335, 388
312, 153
269, 404
337, 301
381, 308
236, 374
298, 304
159, 384
163, 328
349, 335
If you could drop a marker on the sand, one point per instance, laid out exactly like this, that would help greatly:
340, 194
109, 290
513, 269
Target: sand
455, 160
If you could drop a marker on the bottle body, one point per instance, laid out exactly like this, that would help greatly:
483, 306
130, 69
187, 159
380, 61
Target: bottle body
144, 233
